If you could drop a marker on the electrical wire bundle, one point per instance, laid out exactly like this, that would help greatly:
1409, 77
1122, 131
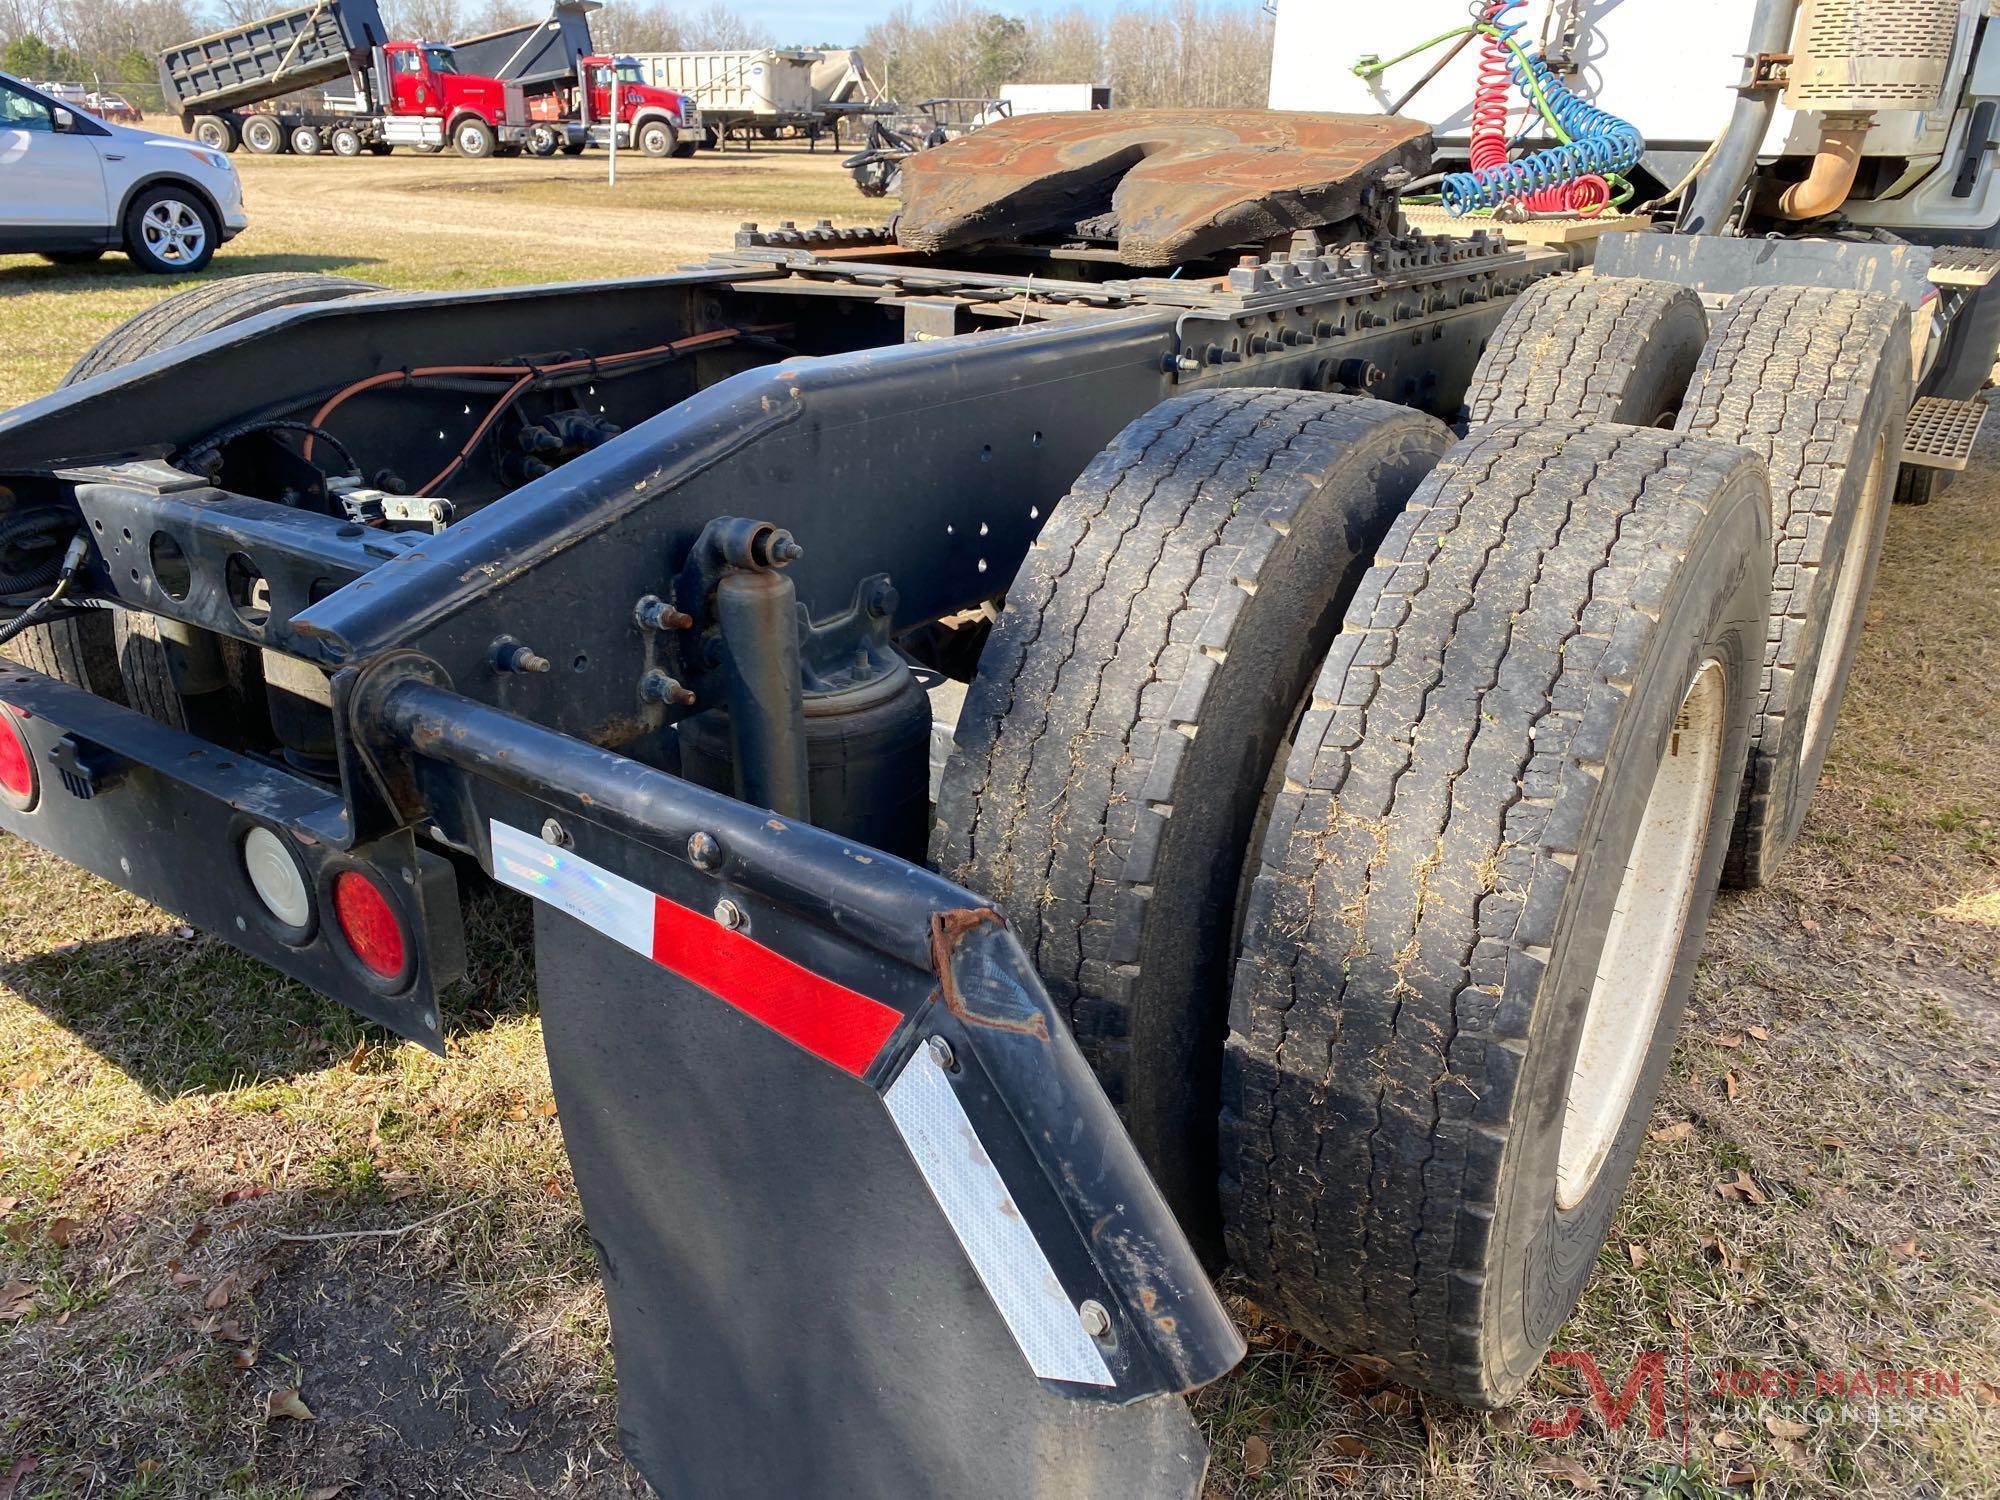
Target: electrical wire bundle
1580, 175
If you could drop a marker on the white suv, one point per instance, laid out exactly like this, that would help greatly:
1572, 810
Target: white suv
72, 187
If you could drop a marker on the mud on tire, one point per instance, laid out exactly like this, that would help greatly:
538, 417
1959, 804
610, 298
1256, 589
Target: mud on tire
1116, 744
1576, 348
1816, 382
1438, 880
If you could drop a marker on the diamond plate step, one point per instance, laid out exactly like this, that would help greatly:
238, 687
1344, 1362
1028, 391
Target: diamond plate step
1941, 432
1964, 265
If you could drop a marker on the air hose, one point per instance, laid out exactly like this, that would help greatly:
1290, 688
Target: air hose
1568, 178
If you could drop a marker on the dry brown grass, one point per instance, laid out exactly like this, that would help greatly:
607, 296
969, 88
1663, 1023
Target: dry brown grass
147, 1075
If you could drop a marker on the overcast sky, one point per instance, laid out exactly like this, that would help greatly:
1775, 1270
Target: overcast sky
806, 22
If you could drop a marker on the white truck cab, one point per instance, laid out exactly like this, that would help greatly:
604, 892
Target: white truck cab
73, 187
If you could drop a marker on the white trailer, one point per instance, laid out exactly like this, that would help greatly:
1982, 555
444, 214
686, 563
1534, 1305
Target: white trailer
741, 94
1055, 98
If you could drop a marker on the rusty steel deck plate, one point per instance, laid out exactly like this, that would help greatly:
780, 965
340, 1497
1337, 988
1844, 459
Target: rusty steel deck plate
1182, 183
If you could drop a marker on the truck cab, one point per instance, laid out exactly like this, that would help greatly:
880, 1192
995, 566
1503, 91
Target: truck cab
425, 84
660, 122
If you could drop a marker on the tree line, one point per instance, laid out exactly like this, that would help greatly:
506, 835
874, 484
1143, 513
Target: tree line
1189, 53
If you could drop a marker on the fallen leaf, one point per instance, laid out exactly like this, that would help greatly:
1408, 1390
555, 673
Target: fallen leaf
1904, 1249
243, 1194
1349, 1446
1256, 1455
1729, 1084
1743, 1190
1574, 1474
1784, 1427
1637, 1255
546, 1109
17, 1299
1745, 1474
1895, 859
8, 1205
196, 1235
219, 1294
182, 1278
167, 1366
1391, 1401
1832, 1143
243, 1358
1726, 1440
229, 1330
1344, 1474
21, 1469
1794, 1453
1758, 1032
328, 1491
286, 1403
1680, 1130
1730, 1039
518, 1112
1810, 925
63, 1229
1987, 1391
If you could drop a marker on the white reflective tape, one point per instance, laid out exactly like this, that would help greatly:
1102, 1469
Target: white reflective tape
593, 895
997, 1240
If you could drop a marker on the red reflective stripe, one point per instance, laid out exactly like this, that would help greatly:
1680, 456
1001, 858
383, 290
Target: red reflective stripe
828, 1020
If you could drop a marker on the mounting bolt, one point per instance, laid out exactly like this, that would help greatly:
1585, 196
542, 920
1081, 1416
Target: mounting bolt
729, 914
1187, 364
657, 687
784, 548
882, 599
1095, 1320
654, 613
554, 833
509, 655
941, 1054
704, 852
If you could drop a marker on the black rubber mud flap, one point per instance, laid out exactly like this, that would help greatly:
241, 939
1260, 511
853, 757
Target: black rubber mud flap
868, 1225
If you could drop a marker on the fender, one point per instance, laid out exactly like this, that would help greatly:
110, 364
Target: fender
154, 179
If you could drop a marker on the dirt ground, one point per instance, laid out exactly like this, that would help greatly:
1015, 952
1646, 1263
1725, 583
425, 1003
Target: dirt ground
254, 1247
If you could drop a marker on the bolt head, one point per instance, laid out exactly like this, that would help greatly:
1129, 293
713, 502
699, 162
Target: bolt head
729, 914
704, 851
1095, 1320
554, 833
941, 1053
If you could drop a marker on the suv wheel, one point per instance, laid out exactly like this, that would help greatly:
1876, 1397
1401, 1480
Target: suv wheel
170, 230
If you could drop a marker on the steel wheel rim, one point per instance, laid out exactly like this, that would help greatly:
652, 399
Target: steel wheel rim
1846, 595
468, 141
1643, 939
173, 231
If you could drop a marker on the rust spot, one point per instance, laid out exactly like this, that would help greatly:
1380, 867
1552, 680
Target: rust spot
1148, 1298
1166, 1324
948, 930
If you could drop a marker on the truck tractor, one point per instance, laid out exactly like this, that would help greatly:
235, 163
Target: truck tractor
656, 121
1183, 706
405, 93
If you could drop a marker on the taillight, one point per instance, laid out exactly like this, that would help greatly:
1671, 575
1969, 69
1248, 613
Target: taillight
369, 924
275, 877
17, 763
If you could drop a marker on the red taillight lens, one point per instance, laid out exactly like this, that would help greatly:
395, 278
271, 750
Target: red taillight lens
369, 924
17, 764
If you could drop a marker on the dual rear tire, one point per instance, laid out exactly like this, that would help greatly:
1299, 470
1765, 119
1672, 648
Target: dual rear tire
1282, 871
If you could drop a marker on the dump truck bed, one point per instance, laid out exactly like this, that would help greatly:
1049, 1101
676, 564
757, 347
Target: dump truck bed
273, 55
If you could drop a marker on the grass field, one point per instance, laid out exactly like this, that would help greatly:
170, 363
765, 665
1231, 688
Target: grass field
170, 1111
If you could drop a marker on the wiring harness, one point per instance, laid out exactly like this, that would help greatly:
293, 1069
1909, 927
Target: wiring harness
1580, 175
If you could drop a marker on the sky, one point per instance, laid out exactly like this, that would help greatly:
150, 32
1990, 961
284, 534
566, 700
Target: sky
804, 22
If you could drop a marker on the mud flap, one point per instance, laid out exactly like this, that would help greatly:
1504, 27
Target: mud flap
791, 1312
866, 1222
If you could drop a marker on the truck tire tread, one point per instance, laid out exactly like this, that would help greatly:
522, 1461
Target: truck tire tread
1580, 348
1807, 378
1134, 615
1447, 790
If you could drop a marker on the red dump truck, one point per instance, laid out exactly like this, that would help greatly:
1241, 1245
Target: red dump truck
227, 88
658, 121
